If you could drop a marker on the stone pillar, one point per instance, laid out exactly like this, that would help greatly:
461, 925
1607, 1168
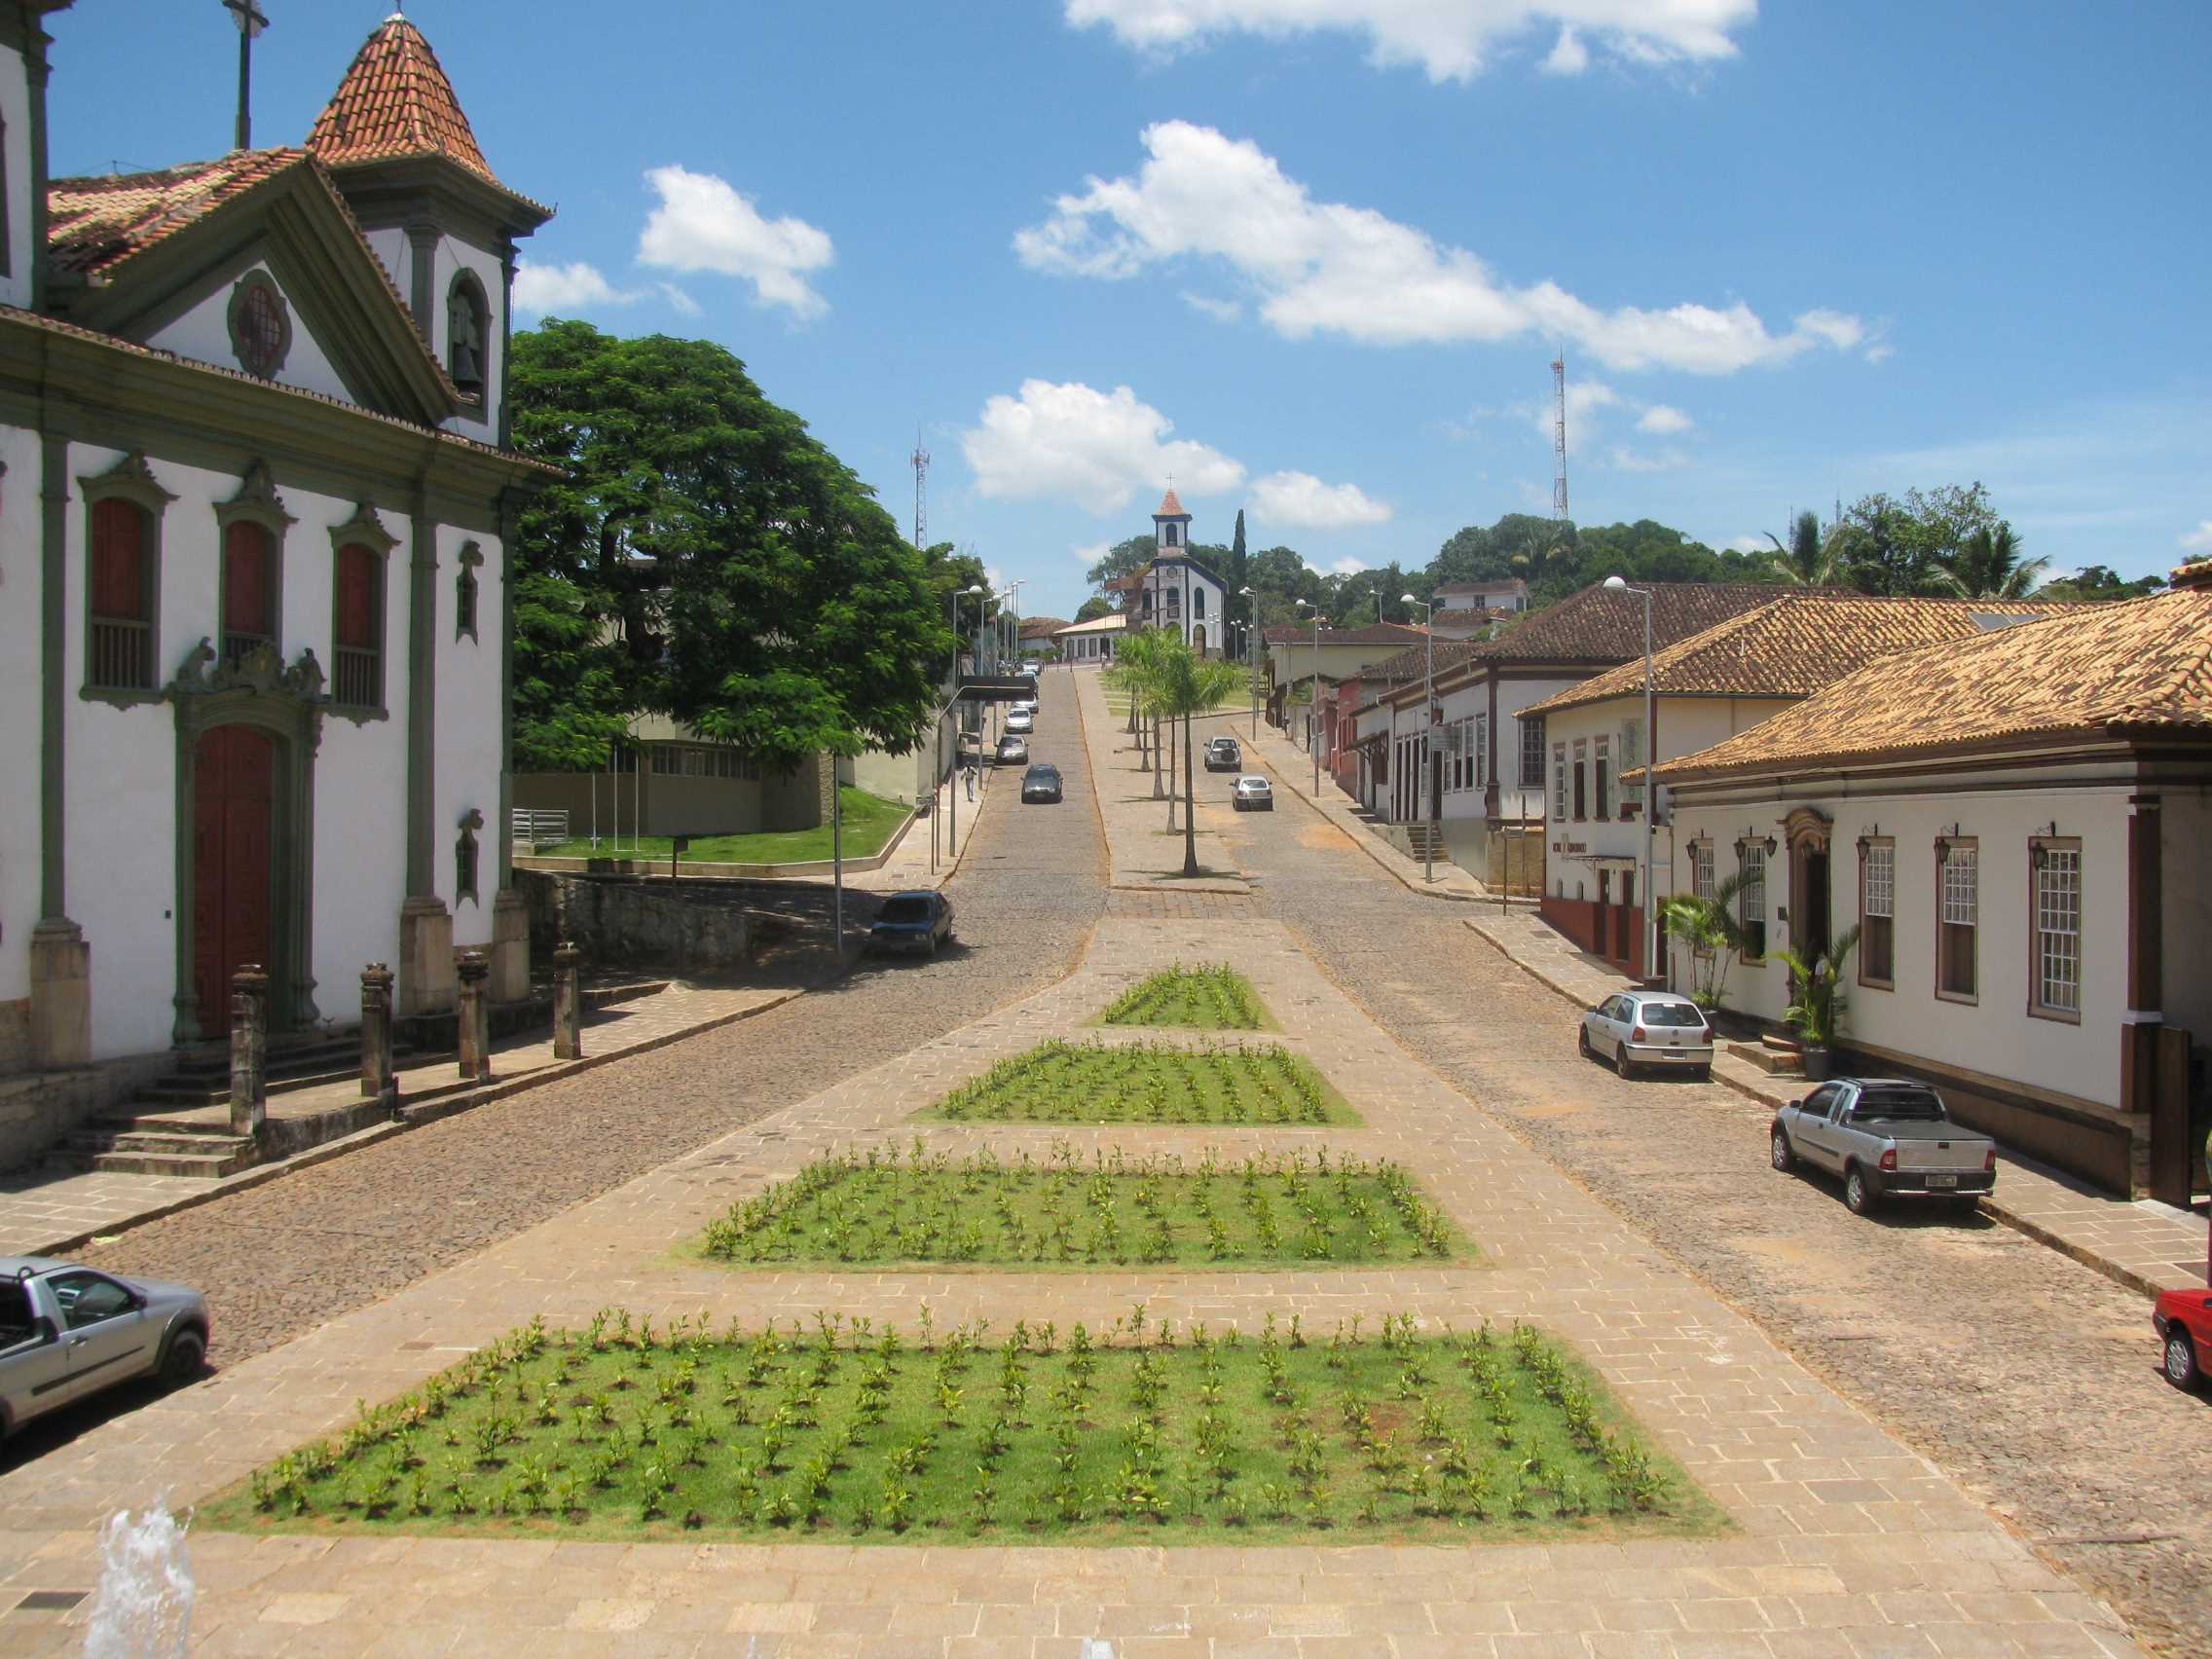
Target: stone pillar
567, 1002
475, 969
250, 1050
510, 947
426, 958
61, 995
377, 1080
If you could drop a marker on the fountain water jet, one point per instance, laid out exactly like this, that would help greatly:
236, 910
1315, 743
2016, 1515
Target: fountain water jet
143, 1608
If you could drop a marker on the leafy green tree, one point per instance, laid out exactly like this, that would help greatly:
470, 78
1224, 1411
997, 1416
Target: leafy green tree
1904, 545
1092, 608
703, 555
1240, 577
1122, 559
1988, 565
2098, 582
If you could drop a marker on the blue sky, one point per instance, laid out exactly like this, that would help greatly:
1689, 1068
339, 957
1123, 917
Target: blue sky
1313, 256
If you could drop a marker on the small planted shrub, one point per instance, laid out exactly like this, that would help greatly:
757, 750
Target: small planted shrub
1214, 998
852, 1432
876, 1209
1148, 1083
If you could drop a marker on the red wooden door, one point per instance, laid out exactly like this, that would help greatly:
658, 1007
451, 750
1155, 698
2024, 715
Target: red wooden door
236, 794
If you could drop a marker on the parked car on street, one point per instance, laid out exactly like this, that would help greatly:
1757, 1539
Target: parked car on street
919, 920
1648, 1029
1886, 1138
1019, 719
1012, 750
1033, 668
67, 1332
1253, 794
1041, 782
2183, 1319
1223, 755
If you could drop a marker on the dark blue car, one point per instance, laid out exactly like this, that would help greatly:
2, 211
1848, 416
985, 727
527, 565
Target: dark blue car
917, 921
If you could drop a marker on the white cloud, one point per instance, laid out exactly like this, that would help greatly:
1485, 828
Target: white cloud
1636, 461
1301, 500
1096, 448
1750, 544
1220, 310
1452, 40
1665, 420
1347, 567
1570, 57
1330, 267
1090, 556
2200, 539
541, 288
703, 224
682, 303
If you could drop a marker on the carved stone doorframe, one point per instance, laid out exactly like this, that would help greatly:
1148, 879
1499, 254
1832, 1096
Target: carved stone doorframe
1807, 833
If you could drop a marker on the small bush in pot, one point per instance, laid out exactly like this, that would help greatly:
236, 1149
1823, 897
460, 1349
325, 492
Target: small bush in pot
1816, 1001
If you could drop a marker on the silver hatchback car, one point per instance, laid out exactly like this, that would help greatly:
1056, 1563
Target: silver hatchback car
1658, 1029
67, 1331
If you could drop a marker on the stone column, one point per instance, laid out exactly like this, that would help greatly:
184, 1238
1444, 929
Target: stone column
61, 996
250, 1050
510, 947
567, 1002
377, 1080
475, 969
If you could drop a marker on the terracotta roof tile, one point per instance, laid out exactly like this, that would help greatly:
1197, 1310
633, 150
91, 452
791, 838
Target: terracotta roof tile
1796, 645
1171, 507
2135, 669
95, 224
1372, 634
394, 101
1037, 627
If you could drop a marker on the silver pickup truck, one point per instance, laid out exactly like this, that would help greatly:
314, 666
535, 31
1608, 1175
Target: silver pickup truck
1885, 1138
66, 1332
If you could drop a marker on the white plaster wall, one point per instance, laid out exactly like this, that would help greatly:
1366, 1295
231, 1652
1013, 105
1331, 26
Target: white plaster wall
470, 717
1687, 724
1473, 698
452, 255
22, 556
203, 333
16, 111
1995, 1034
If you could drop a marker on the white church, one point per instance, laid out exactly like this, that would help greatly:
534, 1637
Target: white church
255, 508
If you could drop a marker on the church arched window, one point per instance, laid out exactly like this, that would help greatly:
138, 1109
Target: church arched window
468, 322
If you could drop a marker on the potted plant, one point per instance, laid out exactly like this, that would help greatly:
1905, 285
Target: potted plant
1816, 1005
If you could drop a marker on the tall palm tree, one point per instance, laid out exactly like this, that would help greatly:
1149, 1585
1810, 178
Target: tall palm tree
1710, 925
1187, 683
1988, 565
1136, 670
1811, 559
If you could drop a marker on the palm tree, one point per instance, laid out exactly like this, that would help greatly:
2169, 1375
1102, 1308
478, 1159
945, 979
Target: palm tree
1816, 1000
1811, 559
1187, 683
1136, 670
1708, 924
1988, 565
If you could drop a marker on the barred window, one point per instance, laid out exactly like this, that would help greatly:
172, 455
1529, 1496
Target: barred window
2057, 876
1751, 901
1482, 752
1702, 879
1959, 896
1532, 752
1632, 756
1877, 912
1559, 781
1603, 777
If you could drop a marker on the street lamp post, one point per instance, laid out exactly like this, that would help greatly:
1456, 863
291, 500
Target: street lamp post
1428, 742
1314, 701
1650, 783
959, 712
1252, 659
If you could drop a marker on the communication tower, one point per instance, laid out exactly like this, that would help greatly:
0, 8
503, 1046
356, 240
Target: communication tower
921, 463
1559, 434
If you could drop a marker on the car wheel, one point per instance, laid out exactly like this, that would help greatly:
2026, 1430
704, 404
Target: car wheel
185, 1359
932, 951
1858, 1192
1621, 1062
1705, 1074
1582, 1040
2181, 1366
1778, 1151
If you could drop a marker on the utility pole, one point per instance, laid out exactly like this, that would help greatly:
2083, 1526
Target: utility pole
248, 15
1559, 434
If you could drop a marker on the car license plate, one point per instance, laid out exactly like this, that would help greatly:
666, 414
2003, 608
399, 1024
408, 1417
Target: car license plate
1942, 1180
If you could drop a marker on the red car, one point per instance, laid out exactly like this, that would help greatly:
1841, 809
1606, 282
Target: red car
2183, 1319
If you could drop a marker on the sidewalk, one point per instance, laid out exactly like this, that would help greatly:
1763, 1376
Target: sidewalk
1293, 768
47, 1212
1145, 855
2143, 1245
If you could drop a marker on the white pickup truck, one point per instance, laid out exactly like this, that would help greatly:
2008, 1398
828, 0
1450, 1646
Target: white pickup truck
1885, 1138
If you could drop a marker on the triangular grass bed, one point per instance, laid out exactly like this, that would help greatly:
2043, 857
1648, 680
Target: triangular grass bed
879, 1209
856, 1433
1149, 1082
1212, 997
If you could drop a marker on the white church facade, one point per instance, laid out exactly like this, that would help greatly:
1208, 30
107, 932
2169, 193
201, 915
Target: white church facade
255, 516
1174, 590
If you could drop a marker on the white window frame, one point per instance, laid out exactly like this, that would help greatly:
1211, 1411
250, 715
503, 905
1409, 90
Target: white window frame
2054, 901
1958, 905
1750, 897
1878, 899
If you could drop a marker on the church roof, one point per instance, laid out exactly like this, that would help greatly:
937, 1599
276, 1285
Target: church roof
396, 103
1171, 507
94, 223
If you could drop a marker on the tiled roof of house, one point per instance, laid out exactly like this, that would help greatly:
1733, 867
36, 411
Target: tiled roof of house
1113, 622
1372, 634
95, 224
1796, 645
394, 101
1041, 627
2137, 669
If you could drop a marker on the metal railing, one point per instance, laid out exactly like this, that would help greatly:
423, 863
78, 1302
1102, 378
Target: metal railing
123, 655
548, 828
356, 680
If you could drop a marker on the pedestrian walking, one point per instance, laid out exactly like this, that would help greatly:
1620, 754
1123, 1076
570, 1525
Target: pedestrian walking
969, 775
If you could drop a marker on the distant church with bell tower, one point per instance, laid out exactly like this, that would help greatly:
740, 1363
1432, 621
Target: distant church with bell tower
1175, 590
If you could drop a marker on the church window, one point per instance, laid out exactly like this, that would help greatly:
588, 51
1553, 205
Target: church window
357, 680
464, 591
123, 586
1198, 601
1167, 534
468, 330
250, 589
261, 325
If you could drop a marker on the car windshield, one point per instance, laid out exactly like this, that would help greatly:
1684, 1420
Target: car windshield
1923, 1105
1044, 775
905, 909
1684, 1015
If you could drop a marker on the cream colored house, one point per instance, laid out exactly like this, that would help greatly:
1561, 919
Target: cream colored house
2016, 821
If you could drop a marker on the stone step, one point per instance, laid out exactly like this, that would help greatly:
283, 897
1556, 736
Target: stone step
102, 1138
215, 1069
1775, 1062
207, 1166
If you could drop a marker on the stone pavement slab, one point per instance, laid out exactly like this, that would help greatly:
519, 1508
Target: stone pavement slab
1838, 1531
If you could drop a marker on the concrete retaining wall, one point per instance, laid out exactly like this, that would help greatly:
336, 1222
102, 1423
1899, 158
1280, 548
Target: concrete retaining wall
621, 922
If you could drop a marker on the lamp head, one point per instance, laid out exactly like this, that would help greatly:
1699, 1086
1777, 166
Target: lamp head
1244, 593
976, 590
1408, 599
1615, 583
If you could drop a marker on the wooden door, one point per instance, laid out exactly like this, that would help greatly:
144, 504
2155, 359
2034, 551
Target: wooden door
230, 831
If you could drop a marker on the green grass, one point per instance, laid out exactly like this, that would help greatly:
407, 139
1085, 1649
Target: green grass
877, 1209
1146, 1083
854, 1432
869, 821
1211, 998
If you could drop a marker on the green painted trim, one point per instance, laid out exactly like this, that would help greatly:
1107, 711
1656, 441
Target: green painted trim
388, 191
256, 502
37, 68
53, 496
510, 514
296, 725
132, 480
506, 433
422, 269
421, 709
